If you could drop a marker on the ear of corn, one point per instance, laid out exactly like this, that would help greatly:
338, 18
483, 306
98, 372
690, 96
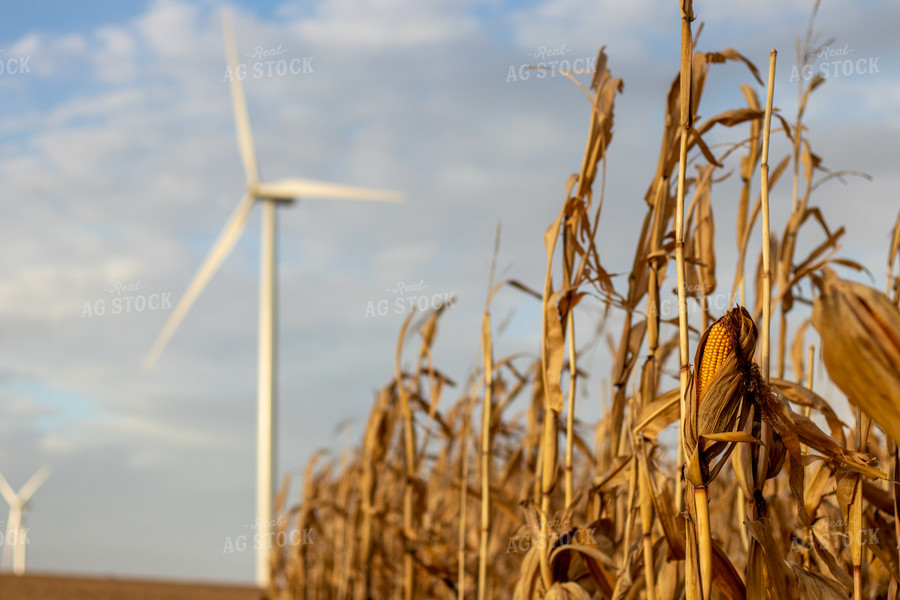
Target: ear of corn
715, 402
719, 345
860, 331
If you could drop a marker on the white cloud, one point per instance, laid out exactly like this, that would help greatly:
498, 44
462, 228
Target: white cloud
389, 24
53, 57
170, 29
115, 60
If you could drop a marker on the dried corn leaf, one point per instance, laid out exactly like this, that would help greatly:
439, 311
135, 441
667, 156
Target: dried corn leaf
798, 349
809, 434
877, 497
732, 54
605, 87
895, 244
839, 573
567, 591
815, 486
658, 415
815, 586
815, 82
802, 396
700, 248
881, 540
629, 350
555, 353
761, 531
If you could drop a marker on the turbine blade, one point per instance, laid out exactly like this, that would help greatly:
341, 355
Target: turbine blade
6, 490
293, 188
33, 484
219, 251
238, 102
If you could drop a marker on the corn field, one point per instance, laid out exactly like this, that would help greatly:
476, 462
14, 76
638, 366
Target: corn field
717, 471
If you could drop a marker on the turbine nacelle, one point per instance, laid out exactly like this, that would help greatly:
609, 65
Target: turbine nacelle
289, 190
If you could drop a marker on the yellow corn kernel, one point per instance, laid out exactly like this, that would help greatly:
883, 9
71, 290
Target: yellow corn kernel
719, 344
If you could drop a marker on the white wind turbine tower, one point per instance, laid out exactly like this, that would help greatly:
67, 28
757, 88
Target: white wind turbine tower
283, 191
15, 527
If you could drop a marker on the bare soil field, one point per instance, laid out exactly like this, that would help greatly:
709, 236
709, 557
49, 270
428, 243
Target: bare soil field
53, 587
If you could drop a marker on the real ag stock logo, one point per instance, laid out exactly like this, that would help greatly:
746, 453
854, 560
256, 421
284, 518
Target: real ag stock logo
275, 535
13, 537
552, 61
125, 298
409, 297
575, 536
266, 64
841, 66
14, 65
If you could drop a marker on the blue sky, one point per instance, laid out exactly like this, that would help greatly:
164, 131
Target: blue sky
119, 165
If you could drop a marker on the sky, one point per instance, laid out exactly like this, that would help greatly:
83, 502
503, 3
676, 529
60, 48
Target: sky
119, 167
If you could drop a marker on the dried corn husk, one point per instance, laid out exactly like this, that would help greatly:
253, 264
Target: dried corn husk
860, 331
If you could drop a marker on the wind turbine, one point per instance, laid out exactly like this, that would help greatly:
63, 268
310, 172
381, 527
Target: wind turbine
283, 191
18, 507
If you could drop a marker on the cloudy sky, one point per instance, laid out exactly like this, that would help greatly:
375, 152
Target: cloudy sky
119, 166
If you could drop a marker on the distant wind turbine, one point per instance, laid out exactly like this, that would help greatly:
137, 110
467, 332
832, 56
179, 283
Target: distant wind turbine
15, 527
269, 194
